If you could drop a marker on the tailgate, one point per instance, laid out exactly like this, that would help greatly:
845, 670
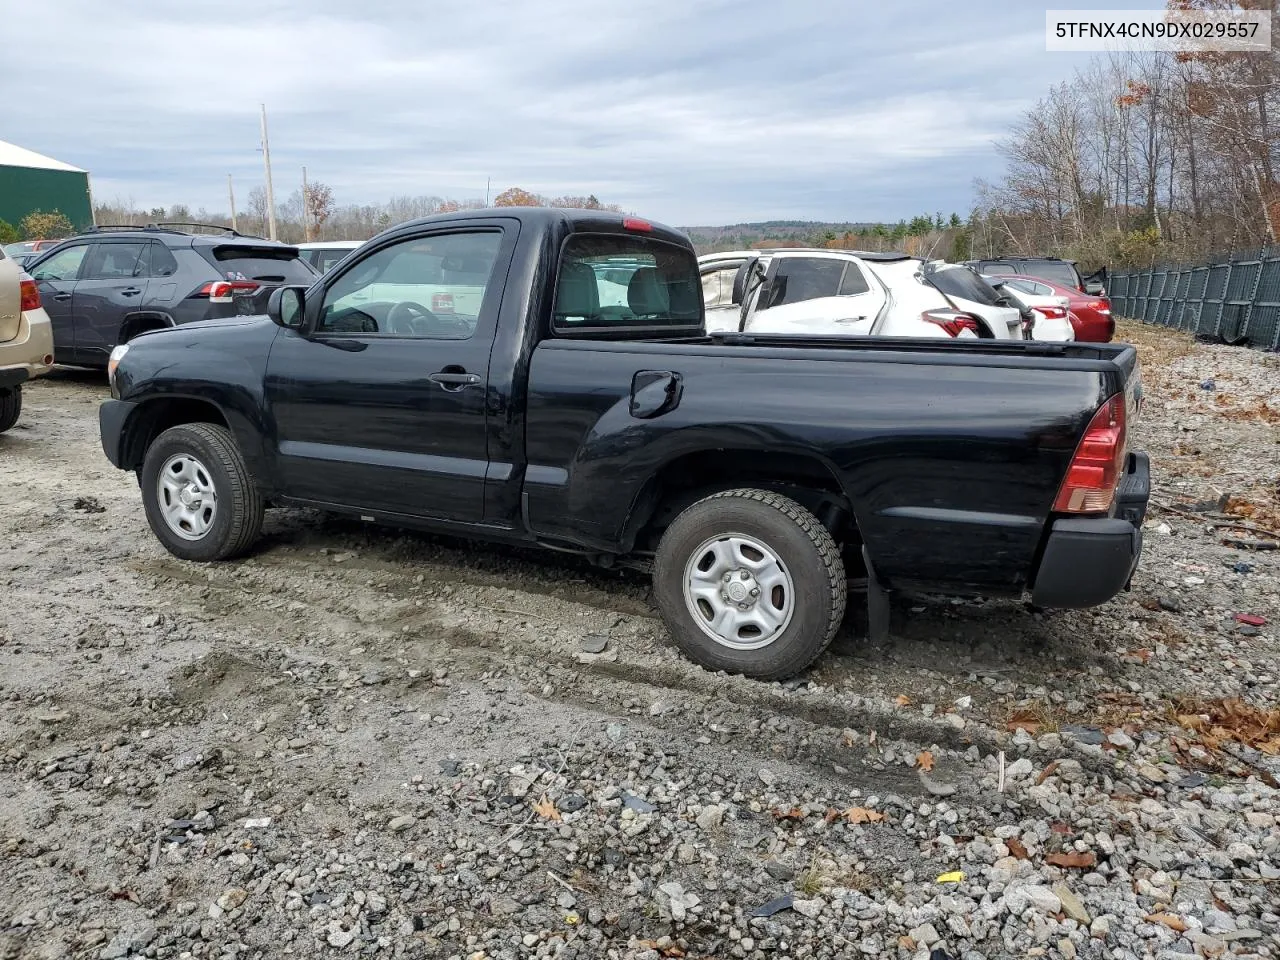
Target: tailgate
10, 299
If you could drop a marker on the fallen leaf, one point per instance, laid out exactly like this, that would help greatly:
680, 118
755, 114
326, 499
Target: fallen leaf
1025, 720
902, 700
849, 738
1075, 861
1252, 619
907, 943
1142, 655
1059, 827
788, 813
1169, 920
832, 815
1047, 772
924, 760
1016, 848
857, 815
546, 809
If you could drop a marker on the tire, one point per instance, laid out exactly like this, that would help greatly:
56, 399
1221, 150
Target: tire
10, 407
801, 596
199, 459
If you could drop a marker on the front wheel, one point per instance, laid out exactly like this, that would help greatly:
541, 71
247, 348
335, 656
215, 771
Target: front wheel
749, 581
10, 407
200, 500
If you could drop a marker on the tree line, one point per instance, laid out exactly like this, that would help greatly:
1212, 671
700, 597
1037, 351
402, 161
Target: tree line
1142, 158
319, 217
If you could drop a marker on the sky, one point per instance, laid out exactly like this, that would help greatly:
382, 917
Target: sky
693, 112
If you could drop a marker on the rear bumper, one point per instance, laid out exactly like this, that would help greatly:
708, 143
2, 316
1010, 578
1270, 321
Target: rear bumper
112, 415
1087, 561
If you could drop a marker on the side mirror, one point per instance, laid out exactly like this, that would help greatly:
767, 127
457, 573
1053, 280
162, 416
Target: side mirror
286, 306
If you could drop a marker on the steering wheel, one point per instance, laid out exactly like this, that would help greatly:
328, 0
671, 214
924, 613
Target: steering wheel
408, 318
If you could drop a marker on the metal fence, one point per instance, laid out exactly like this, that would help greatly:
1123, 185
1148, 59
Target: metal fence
1236, 298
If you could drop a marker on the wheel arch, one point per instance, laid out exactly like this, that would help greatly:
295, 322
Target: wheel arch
143, 321
153, 417
807, 478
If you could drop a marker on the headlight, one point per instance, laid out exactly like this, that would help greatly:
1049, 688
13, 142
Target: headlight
116, 356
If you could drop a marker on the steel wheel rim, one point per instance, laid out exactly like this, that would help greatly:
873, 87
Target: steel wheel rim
187, 499
719, 579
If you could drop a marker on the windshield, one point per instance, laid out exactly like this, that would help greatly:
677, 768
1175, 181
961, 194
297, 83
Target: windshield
964, 284
1056, 271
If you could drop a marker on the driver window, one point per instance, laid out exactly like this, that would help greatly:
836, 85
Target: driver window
427, 287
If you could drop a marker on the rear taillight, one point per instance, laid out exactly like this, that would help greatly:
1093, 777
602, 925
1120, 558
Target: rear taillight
1094, 474
635, 223
1052, 313
1099, 306
442, 303
30, 294
952, 321
223, 291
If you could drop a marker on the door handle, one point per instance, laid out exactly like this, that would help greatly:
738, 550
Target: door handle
454, 379
130, 292
62, 296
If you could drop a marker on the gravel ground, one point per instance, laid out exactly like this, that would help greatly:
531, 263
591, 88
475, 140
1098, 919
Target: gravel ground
365, 742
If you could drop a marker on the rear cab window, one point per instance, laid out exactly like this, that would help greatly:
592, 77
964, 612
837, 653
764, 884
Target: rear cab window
626, 285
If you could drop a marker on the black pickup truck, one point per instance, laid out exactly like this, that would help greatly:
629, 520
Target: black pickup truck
542, 377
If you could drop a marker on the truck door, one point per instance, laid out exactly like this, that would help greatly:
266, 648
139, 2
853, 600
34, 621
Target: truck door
380, 403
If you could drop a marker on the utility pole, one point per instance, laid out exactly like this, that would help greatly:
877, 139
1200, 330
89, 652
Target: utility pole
487, 184
231, 192
266, 160
306, 209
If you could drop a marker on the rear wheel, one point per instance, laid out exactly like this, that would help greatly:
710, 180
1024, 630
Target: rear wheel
750, 582
10, 407
199, 497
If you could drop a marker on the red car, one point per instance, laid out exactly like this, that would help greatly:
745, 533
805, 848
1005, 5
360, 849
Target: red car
1090, 316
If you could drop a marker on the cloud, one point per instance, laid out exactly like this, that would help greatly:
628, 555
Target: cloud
690, 112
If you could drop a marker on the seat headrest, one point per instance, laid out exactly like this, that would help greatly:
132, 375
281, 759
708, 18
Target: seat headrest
646, 293
577, 294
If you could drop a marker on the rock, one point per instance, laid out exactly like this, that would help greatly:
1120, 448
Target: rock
1067, 949
1042, 898
936, 787
566, 900
504, 906
636, 804
955, 721
1244, 933
594, 643
572, 802
232, 899
767, 777
710, 816
401, 824
926, 935
1070, 771
1100, 928
1022, 767
614, 732
807, 908
1120, 740
1087, 735
1071, 904
128, 940
337, 936
257, 823
780, 871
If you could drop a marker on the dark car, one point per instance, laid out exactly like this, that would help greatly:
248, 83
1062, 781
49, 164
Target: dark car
557, 405
106, 286
1062, 272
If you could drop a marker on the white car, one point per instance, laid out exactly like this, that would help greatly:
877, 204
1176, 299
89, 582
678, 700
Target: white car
1052, 312
324, 254
842, 292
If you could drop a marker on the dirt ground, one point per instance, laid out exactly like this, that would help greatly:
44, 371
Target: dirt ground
346, 677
